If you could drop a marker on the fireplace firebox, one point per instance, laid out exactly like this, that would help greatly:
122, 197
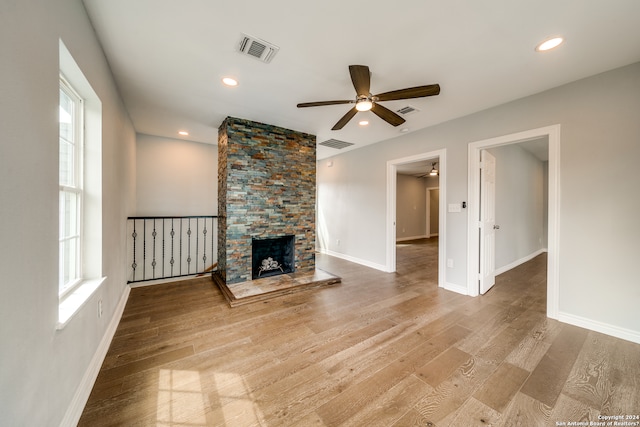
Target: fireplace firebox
273, 256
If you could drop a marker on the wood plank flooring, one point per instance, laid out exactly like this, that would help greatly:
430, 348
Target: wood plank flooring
377, 350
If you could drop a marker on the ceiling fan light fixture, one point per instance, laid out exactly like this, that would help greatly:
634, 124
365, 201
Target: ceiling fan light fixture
364, 105
434, 171
549, 44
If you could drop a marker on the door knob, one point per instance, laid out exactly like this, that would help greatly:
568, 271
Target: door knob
496, 227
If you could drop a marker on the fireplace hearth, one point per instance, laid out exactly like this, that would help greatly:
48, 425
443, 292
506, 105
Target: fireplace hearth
271, 257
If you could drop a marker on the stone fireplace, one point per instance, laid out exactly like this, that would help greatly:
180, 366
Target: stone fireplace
266, 191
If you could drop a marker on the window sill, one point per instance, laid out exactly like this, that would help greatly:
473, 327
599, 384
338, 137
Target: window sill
72, 303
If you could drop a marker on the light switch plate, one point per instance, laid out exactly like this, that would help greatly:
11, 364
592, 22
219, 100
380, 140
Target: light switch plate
455, 207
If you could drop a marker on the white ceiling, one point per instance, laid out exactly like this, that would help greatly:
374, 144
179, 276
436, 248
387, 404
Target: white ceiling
168, 57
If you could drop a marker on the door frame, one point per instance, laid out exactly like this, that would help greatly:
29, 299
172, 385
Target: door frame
473, 238
392, 174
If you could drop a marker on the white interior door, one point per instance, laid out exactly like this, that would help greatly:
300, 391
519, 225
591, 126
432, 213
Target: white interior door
487, 221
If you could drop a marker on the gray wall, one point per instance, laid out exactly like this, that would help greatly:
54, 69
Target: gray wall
41, 367
411, 206
434, 211
520, 204
599, 128
175, 177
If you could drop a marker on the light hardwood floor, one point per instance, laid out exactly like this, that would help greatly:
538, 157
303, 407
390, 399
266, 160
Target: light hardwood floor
377, 350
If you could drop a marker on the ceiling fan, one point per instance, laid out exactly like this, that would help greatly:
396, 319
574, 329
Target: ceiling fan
365, 101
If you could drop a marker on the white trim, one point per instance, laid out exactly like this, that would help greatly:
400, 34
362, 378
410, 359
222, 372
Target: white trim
460, 289
142, 284
603, 328
404, 239
553, 133
81, 396
392, 170
76, 299
350, 258
518, 262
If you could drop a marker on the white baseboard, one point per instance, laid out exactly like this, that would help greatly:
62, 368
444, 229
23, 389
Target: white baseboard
604, 328
404, 239
163, 281
522, 260
354, 259
456, 288
80, 398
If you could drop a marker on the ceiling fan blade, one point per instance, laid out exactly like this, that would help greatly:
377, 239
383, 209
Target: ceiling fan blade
412, 92
387, 115
345, 119
321, 103
361, 78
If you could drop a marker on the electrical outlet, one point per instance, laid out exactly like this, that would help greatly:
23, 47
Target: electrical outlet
338, 242
450, 263
99, 309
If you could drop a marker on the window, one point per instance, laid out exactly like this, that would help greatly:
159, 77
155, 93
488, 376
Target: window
80, 190
71, 190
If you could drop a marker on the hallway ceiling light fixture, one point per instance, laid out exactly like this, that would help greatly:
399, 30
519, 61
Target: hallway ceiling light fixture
363, 122
183, 133
549, 44
229, 81
434, 171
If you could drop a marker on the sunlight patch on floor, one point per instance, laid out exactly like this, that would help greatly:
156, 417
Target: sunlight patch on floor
181, 402
236, 401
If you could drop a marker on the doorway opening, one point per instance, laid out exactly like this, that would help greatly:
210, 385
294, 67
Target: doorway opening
393, 166
475, 225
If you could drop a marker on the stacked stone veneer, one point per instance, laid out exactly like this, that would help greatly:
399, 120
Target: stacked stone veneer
266, 189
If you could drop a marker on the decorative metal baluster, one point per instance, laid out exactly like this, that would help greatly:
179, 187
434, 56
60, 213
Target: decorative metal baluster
204, 245
144, 250
173, 233
153, 261
163, 221
134, 265
213, 238
181, 221
189, 247
197, 241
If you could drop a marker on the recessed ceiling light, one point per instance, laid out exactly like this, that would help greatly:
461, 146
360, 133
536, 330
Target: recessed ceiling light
549, 44
404, 130
183, 133
230, 81
363, 122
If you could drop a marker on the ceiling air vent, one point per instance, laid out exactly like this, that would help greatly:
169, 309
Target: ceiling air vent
256, 48
337, 144
405, 111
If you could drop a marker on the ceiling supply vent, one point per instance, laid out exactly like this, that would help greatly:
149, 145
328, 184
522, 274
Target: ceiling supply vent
256, 48
337, 144
405, 111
